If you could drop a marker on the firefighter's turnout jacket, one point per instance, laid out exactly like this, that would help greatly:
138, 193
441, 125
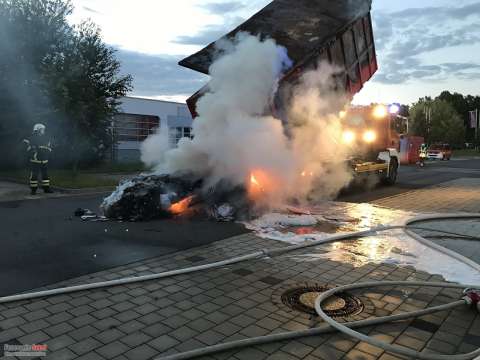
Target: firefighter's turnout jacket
38, 149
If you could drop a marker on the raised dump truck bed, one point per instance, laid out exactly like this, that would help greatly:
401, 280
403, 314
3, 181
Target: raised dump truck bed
336, 31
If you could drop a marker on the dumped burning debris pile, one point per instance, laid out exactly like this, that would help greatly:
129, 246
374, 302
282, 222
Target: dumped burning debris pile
147, 197
163, 196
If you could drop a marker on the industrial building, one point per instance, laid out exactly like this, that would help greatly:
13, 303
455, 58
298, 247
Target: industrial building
140, 117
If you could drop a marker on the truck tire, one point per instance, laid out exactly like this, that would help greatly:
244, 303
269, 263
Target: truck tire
391, 178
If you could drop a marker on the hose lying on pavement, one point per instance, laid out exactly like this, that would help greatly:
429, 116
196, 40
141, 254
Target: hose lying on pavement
445, 234
346, 328
333, 324
436, 246
328, 328
381, 344
257, 255
136, 279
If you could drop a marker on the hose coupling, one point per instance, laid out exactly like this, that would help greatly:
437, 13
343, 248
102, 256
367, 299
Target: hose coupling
472, 298
266, 252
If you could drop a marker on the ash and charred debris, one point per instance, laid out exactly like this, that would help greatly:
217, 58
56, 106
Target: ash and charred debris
162, 196
88, 215
148, 197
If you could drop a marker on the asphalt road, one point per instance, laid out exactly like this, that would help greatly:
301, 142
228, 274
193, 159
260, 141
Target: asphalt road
413, 177
41, 243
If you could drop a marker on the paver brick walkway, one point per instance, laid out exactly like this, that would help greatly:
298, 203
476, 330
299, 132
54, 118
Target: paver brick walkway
457, 195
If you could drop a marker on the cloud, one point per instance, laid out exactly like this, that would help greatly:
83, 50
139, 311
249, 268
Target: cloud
404, 36
159, 75
210, 33
204, 37
221, 8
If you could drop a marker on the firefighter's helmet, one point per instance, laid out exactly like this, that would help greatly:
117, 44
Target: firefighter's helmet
39, 128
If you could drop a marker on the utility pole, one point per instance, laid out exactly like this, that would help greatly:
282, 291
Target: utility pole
477, 124
428, 119
474, 122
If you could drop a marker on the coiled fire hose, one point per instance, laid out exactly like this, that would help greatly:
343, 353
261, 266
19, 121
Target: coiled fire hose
472, 297
329, 327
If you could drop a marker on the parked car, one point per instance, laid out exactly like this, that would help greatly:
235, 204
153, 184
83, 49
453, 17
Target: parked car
439, 152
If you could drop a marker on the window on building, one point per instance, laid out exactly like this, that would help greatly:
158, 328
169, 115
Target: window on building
132, 127
177, 133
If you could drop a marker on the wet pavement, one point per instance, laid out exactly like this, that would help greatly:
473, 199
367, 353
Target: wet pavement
43, 243
459, 242
296, 225
386, 247
155, 318
412, 177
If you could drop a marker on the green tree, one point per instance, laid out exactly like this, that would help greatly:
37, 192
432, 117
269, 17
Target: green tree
86, 83
463, 105
29, 31
437, 121
57, 74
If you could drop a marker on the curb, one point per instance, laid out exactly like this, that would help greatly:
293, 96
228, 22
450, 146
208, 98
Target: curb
64, 190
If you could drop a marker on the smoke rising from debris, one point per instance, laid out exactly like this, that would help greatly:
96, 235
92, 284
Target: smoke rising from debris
233, 137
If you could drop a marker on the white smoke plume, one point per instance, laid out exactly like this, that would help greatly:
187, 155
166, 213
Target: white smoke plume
233, 137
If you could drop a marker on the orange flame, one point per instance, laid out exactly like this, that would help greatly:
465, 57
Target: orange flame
180, 206
254, 180
262, 184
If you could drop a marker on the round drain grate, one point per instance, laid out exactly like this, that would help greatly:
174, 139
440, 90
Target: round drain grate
303, 299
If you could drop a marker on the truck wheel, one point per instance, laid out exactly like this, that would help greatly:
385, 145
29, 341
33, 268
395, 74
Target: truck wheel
391, 179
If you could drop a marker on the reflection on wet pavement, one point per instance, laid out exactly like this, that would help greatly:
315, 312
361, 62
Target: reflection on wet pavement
315, 222
393, 246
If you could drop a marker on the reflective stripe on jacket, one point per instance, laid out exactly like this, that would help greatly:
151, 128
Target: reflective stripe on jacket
39, 149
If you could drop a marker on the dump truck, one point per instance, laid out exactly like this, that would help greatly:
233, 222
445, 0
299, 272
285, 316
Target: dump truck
337, 32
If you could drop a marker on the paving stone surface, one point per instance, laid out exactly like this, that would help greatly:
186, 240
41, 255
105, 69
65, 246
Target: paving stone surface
459, 242
457, 195
155, 318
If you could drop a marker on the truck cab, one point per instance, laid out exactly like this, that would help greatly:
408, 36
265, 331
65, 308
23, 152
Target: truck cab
370, 132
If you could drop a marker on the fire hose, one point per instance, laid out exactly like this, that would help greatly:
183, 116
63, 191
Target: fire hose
471, 298
329, 327
135, 279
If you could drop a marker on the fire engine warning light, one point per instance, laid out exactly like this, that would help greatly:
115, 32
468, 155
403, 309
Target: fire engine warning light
369, 136
348, 137
394, 109
380, 111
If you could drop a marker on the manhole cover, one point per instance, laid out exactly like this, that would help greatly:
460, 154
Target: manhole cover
339, 305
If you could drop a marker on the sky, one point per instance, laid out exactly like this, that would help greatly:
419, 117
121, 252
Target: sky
423, 46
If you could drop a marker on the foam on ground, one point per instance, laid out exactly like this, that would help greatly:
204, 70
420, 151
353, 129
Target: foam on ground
392, 247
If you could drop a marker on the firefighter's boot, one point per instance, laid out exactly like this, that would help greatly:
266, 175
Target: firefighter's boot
47, 190
33, 191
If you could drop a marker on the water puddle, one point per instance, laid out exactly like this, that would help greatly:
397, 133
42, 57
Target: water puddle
392, 247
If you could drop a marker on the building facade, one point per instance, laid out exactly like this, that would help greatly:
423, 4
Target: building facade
139, 117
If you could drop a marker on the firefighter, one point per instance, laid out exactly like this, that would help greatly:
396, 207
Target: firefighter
39, 149
422, 155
